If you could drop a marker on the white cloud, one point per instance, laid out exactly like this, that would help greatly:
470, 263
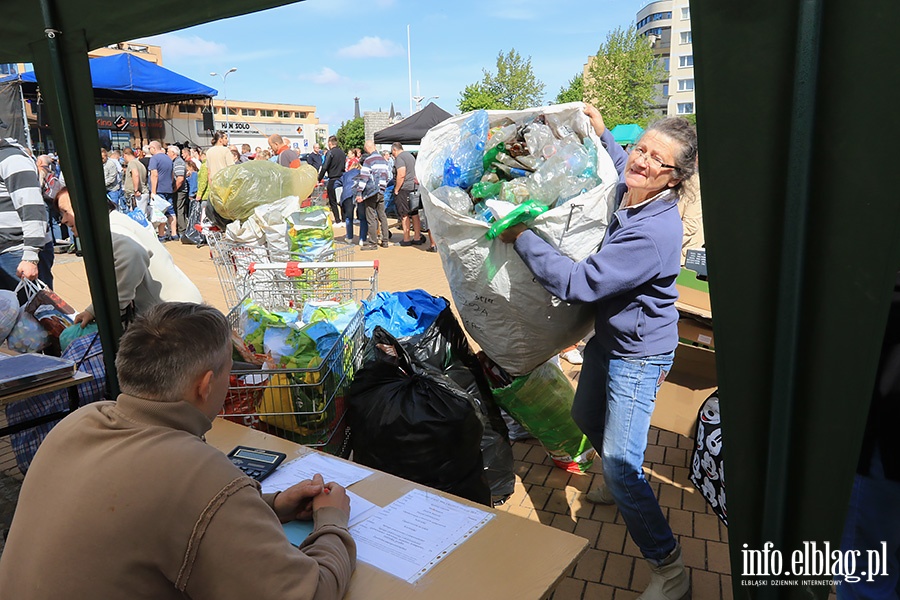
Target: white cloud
372, 47
325, 77
186, 46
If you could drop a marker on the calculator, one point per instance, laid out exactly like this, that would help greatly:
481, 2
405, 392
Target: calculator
256, 462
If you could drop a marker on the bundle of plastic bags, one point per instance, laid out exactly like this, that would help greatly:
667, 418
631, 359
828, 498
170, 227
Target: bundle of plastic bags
568, 197
236, 190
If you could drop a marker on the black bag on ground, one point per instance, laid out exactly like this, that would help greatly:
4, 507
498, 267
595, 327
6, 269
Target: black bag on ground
191, 235
444, 346
412, 421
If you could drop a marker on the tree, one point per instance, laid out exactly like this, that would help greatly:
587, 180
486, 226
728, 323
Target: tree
622, 77
475, 97
573, 92
512, 87
351, 134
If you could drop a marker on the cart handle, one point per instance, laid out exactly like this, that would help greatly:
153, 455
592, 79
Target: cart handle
295, 269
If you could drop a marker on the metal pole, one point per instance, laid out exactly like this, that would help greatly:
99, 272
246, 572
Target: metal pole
225, 95
409, 66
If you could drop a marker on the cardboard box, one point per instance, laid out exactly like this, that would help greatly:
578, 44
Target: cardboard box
693, 332
693, 295
690, 382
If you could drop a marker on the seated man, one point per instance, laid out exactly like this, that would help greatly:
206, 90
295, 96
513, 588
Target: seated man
126, 500
145, 272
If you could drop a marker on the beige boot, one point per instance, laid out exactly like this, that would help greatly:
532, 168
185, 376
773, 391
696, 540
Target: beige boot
668, 581
600, 495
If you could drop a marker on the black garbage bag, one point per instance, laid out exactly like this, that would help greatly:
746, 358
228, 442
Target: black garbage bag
191, 235
444, 346
411, 420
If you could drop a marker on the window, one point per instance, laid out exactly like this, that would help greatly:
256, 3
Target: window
657, 31
685, 108
219, 110
664, 61
685, 85
266, 113
302, 115
665, 89
654, 17
685, 13
686, 60
284, 114
232, 111
686, 37
249, 112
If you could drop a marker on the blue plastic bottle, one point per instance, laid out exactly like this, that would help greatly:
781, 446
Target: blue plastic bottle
463, 168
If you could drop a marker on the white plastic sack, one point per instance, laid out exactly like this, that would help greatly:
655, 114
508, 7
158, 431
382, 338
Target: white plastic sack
509, 314
271, 220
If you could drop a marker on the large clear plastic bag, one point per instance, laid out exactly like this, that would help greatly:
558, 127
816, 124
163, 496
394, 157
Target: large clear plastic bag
236, 190
9, 312
511, 316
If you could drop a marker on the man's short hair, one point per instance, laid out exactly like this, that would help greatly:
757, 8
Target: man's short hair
397, 146
245, 147
167, 348
276, 140
332, 139
128, 152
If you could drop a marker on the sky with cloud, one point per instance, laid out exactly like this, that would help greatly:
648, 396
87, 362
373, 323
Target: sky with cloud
327, 52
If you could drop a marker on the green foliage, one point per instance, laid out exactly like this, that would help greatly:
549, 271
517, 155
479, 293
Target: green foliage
475, 97
512, 87
692, 118
573, 92
621, 78
351, 134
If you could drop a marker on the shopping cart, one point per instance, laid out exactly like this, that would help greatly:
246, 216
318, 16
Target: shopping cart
305, 405
319, 196
233, 259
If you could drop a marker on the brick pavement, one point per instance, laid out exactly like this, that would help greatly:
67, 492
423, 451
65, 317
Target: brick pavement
611, 568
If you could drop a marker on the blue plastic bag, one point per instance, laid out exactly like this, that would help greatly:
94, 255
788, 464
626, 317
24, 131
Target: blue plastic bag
139, 216
402, 314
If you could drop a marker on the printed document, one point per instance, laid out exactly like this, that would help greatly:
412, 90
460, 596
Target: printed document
409, 536
331, 468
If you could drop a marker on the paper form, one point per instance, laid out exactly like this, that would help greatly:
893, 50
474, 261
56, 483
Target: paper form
332, 469
360, 510
409, 536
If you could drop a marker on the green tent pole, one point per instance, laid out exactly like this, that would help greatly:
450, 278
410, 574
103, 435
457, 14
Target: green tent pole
78, 142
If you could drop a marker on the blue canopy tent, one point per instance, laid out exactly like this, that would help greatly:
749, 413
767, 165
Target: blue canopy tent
128, 79
627, 133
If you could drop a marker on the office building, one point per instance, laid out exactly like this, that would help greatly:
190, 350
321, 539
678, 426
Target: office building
667, 23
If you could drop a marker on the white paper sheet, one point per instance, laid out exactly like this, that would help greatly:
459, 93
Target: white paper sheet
332, 469
409, 536
360, 510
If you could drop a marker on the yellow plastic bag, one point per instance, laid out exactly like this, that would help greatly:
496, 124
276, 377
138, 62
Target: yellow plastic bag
236, 190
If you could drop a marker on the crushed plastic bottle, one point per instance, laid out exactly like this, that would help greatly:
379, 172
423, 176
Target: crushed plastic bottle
454, 197
484, 189
483, 213
538, 135
569, 163
464, 167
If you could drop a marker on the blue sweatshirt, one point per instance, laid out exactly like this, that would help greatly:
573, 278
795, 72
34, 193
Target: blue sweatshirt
631, 278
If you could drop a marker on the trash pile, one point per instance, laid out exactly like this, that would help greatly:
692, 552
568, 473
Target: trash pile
485, 171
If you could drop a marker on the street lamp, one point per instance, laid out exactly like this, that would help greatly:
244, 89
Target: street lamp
224, 76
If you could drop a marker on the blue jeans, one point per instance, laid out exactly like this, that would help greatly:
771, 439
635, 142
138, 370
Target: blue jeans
118, 198
613, 405
873, 518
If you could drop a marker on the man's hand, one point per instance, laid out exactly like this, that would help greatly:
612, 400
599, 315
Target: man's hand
28, 270
299, 501
510, 234
83, 319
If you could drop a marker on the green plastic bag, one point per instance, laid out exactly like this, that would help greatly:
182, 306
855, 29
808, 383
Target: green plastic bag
542, 402
527, 211
237, 189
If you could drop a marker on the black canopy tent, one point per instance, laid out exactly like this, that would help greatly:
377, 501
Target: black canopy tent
412, 129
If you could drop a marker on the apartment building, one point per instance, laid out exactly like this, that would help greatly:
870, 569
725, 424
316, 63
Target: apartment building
668, 25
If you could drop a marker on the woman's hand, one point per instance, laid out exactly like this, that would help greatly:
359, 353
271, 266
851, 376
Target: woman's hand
510, 234
83, 319
596, 118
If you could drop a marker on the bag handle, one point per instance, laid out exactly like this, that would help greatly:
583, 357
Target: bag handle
31, 288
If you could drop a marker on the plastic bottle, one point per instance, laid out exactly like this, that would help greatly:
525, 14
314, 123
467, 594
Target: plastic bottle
484, 189
490, 155
454, 197
464, 167
511, 162
483, 213
510, 172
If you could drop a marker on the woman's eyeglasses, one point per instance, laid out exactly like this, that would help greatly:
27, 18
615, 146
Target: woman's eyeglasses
656, 160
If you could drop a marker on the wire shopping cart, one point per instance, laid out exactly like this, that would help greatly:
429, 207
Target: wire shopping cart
233, 259
305, 403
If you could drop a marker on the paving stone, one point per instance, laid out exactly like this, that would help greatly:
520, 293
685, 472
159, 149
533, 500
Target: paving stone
631, 548
617, 571
563, 522
537, 474
605, 513
653, 435
668, 439
558, 502
728, 593
590, 566
705, 585
641, 576
612, 537
655, 454
626, 595
597, 591
693, 552
694, 501
661, 472
670, 496
676, 457
681, 522
717, 558
557, 478
569, 589
537, 497
706, 527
